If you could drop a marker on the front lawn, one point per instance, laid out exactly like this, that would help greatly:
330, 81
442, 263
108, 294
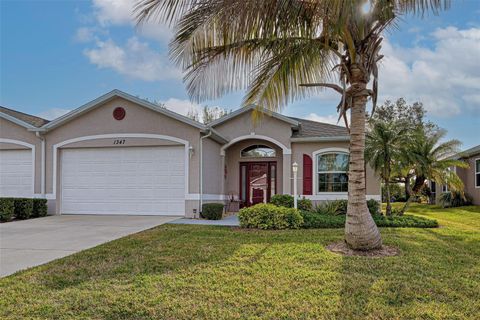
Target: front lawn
198, 272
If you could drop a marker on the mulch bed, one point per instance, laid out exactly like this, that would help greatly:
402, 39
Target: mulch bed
342, 248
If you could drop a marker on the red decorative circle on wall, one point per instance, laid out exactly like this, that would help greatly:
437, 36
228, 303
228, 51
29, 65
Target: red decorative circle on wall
119, 113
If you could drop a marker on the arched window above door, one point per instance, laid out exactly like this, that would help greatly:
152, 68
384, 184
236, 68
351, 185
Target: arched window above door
258, 151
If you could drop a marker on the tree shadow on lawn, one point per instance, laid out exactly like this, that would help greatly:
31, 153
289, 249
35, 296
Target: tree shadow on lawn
423, 282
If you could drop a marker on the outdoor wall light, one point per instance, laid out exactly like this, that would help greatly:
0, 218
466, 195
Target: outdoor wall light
190, 151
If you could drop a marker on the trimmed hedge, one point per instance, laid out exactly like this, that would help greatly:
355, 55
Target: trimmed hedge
286, 200
212, 211
269, 216
6, 209
23, 208
40, 208
317, 220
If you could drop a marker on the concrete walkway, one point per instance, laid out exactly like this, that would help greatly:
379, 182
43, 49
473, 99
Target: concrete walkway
231, 221
28, 243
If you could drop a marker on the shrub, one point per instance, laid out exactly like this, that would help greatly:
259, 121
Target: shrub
397, 192
454, 199
287, 201
212, 211
269, 216
333, 208
405, 221
23, 208
373, 206
339, 207
6, 209
318, 220
40, 208
282, 200
305, 204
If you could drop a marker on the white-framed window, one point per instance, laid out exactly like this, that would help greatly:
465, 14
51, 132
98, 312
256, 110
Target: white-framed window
258, 151
444, 188
477, 173
331, 172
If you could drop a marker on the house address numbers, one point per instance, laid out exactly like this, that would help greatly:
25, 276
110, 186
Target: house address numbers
119, 141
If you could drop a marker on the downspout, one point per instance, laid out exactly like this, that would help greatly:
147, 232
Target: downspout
42, 162
201, 170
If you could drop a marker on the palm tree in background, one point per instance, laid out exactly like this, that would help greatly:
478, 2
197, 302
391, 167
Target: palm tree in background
384, 142
429, 159
283, 50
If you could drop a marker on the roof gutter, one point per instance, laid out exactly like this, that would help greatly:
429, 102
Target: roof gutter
201, 169
42, 162
320, 139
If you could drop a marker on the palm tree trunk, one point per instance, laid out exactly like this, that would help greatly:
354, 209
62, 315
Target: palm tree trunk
417, 188
408, 191
361, 232
389, 204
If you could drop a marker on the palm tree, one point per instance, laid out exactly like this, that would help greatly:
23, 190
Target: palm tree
429, 159
384, 142
275, 49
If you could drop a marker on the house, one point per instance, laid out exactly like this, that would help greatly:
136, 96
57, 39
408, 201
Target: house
470, 176
119, 154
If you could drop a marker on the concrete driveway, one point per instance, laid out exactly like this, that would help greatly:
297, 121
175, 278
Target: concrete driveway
28, 243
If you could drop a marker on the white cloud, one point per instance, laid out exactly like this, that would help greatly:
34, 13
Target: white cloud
135, 59
53, 113
445, 78
182, 106
120, 13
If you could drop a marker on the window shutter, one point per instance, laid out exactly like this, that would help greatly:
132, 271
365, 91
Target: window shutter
307, 174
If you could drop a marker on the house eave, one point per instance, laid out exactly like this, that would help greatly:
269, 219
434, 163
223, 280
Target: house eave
17, 121
321, 139
240, 111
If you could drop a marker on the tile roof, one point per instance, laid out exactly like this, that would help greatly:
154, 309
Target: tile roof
309, 128
28, 118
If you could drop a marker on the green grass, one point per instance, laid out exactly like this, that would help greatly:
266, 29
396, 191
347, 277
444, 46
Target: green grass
198, 272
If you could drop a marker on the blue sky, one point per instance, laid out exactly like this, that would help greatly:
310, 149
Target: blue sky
58, 55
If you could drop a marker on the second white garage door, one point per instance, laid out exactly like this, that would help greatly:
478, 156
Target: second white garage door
16, 173
134, 180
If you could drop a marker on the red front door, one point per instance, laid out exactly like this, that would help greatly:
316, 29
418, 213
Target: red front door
257, 182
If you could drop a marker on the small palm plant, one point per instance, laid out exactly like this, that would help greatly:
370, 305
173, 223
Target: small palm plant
283, 50
384, 142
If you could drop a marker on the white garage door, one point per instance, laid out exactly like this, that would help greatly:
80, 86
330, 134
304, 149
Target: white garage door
134, 181
16, 173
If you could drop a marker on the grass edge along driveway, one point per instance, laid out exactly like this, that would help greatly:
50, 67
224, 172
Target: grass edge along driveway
199, 272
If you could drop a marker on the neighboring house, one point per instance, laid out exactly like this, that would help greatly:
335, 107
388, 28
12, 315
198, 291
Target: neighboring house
122, 155
470, 176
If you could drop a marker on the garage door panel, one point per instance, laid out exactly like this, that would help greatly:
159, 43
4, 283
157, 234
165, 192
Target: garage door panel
16, 173
139, 180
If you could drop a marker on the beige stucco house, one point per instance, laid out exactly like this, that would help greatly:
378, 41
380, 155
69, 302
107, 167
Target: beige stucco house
122, 155
470, 176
